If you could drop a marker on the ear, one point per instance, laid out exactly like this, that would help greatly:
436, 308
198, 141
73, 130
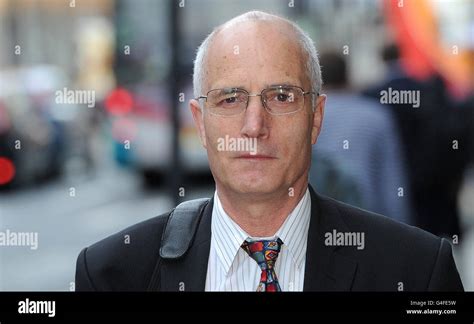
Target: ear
318, 118
198, 120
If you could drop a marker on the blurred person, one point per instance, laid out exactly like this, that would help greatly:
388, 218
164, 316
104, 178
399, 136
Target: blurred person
257, 80
435, 138
361, 139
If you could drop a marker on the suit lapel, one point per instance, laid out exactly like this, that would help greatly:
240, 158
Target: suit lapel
188, 273
328, 268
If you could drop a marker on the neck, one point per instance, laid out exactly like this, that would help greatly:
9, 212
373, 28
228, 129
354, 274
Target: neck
261, 215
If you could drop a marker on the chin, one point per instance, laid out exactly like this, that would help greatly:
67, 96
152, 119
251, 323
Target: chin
254, 186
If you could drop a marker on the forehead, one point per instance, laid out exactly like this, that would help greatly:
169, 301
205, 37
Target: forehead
255, 53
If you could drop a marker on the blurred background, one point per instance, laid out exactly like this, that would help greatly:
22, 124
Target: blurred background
96, 134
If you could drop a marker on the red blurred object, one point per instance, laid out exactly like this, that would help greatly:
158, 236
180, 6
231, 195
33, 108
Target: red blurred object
119, 102
415, 35
415, 27
7, 170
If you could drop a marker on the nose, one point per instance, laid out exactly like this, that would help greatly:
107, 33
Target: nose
255, 119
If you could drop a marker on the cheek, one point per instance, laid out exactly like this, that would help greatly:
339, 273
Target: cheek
217, 127
294, 138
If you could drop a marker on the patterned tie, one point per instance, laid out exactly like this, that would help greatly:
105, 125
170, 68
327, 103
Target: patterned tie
265, 253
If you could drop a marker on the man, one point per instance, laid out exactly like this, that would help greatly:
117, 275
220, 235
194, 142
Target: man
257, 80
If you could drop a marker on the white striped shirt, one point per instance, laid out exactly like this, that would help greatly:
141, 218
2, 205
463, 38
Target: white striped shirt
230, 268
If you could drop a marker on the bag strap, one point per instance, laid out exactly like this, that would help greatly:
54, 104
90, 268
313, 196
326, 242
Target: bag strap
178, 235
181, 228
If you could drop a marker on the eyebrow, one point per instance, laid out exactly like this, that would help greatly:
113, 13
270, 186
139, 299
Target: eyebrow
284, 84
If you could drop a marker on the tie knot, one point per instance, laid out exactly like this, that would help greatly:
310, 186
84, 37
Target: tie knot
264, 252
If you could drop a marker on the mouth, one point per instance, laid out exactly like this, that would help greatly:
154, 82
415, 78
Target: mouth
255, 157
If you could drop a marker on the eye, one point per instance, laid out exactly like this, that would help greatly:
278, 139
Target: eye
282, 97
230, 100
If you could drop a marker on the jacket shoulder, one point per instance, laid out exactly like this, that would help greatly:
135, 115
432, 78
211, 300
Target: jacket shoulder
384, 228
122, 261
398, 255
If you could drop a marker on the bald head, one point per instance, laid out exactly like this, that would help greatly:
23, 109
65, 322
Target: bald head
249, 35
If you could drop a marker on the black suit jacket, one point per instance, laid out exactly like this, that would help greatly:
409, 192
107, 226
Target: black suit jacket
395, 257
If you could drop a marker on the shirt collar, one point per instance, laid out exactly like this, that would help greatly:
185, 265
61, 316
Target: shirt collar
294, 230
228, 236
